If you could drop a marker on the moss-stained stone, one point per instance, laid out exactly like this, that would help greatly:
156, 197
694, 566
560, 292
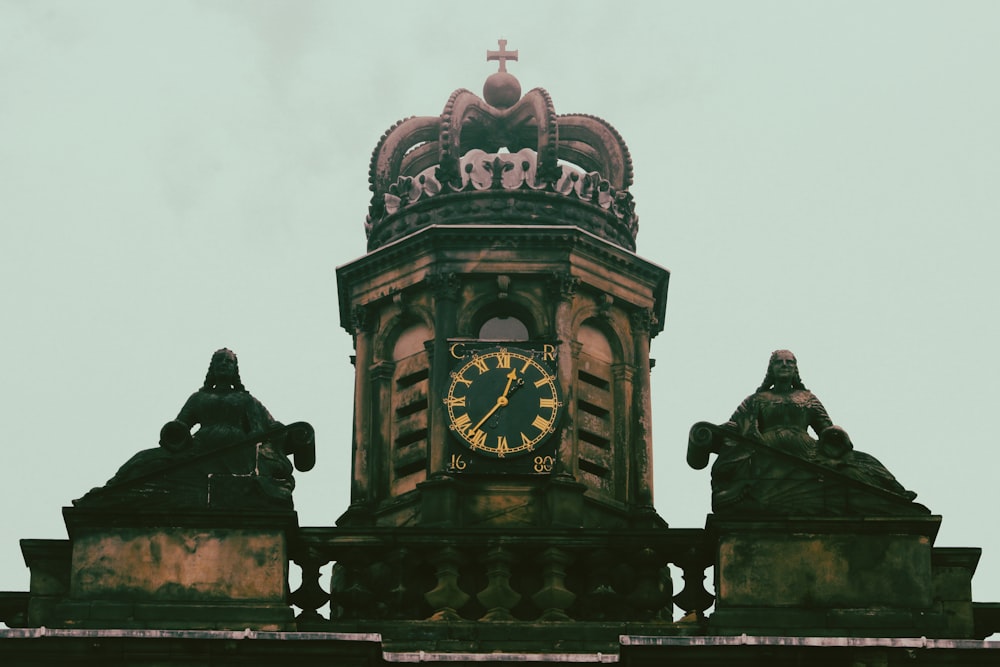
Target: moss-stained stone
157, 569
180, 564
827, 575
825, 570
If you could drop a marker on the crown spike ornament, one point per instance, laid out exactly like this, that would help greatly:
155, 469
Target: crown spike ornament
424, 166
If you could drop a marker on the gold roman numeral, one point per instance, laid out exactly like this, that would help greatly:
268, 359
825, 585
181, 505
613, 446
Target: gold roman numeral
502, 447
543, 403
480, 363
540, 424
461, 423
455, 401
503, 358
478, 438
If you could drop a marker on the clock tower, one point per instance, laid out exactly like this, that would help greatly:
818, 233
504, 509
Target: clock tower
502, 322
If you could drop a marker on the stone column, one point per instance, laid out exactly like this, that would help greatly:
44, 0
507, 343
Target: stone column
379, 454
361, 480
642, 323
564, 288
623, 376
439, 503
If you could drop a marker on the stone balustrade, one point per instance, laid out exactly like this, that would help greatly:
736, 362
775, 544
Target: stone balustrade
451, 574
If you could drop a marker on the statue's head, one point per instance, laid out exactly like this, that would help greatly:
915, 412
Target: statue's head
782, 368
223, 371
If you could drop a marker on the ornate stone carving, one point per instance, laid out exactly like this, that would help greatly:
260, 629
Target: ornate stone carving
444, 285
236, 459
360, 322
769, 464
643, 320
503, 287
430, 157
604, 304
564, 286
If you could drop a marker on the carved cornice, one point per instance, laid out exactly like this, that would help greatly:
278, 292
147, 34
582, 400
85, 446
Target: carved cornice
502, 207
558, 242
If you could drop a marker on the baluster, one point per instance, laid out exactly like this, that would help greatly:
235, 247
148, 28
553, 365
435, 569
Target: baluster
309, 596
350, 590
403, 600
694, 599
498, 597
652, 590
601, 601
553, 597
447, 597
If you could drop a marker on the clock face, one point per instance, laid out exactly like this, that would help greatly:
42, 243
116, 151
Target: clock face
503, 401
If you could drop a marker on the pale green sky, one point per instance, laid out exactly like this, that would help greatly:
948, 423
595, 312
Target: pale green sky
181, 176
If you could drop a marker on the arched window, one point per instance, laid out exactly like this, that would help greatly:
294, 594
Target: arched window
503, 327
595, 407
410, 389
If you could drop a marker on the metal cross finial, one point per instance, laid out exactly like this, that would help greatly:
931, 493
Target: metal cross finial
503, 55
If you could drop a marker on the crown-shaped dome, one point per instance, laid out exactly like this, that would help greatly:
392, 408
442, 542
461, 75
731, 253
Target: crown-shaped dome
505, 159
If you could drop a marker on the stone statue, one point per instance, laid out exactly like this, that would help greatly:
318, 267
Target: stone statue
237, 457
769, 463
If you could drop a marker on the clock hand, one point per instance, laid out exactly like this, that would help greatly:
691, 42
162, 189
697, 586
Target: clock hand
510, 379
501, 401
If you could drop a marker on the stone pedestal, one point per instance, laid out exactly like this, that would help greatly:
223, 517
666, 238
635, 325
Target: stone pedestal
953, 569
48, 562
842, 576
203, 569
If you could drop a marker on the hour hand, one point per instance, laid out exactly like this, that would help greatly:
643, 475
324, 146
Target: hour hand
510, 380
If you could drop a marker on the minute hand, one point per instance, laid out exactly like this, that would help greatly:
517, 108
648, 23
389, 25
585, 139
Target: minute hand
502, 401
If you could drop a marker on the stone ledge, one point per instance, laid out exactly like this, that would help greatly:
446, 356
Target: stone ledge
83, 519
927, 525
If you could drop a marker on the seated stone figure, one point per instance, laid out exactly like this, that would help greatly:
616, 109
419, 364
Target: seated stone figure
236, 458
769, 463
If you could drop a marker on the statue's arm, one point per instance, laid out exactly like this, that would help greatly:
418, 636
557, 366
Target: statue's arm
744, 419
175, 435
190, 414
261, 416
819, 420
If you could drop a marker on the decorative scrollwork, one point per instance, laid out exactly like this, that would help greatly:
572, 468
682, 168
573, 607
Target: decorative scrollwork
360, 321
444, 285
643, 320
564, 285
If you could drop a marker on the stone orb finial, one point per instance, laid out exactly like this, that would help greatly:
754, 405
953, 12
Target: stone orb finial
502, 90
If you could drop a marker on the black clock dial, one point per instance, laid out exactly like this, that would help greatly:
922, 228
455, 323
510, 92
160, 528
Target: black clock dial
503, 401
